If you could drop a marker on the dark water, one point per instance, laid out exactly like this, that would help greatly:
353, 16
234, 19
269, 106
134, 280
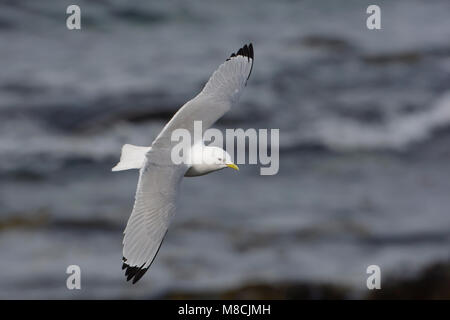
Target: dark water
364, 139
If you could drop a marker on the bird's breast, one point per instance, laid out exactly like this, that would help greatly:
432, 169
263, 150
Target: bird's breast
200, 170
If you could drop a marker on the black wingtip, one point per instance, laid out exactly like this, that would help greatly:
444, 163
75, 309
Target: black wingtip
250, 48
133, 272
245, 51
137, 272
251, 56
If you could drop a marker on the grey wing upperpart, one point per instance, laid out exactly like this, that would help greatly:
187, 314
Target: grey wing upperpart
220, 93
153, 209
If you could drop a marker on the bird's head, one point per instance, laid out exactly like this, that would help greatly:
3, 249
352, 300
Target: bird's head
218, 158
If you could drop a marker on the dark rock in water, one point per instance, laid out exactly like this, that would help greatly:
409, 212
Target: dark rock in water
84, 225
131, 106
432, 283
439, 52
325, 42
308, 148
139, 15
402, 57
23, 87
406, 57
25, 175
270, 291
147, 115
101, 122
5, 25
368, 115
38, 219
409, 108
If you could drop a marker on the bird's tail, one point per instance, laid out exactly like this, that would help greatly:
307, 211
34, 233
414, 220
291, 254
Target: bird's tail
132, 157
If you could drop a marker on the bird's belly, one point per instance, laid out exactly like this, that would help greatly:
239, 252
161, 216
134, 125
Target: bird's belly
199, 170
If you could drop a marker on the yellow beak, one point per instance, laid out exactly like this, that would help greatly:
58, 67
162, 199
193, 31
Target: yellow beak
233, 166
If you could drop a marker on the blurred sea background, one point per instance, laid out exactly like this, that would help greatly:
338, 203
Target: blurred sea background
364, 119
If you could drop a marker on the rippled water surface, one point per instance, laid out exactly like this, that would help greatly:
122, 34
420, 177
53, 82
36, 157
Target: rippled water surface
364, 142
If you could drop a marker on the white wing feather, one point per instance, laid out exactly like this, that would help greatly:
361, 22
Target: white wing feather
159, 179
220, 93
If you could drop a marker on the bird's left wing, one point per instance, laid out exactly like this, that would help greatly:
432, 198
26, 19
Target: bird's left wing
153, 209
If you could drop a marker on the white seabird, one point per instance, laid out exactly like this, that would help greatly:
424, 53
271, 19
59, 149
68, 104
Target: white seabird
159, 177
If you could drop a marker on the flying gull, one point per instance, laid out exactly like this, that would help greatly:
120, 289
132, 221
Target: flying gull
160, 177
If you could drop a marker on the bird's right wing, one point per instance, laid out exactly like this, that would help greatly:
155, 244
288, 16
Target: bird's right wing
153, 209
220, 93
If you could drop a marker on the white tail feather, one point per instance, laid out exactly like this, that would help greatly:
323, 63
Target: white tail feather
132, 157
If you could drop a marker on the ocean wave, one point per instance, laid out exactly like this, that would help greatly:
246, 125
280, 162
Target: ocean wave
24, 140
397, 133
